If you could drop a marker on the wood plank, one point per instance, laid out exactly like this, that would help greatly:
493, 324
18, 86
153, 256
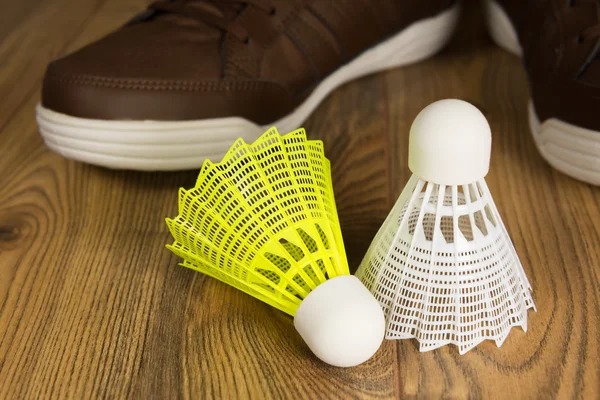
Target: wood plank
14, 13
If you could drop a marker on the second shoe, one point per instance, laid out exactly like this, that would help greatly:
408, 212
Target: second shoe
559, 41
180, 82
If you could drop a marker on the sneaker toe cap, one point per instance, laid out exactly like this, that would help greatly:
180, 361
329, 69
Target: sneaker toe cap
110, 98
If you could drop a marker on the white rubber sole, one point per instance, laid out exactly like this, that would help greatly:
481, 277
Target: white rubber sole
569, 148
166, 145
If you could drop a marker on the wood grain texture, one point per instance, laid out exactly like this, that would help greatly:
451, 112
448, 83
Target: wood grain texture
92, 305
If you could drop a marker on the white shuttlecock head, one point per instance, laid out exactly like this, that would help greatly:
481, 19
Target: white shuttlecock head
341, 322
450, 143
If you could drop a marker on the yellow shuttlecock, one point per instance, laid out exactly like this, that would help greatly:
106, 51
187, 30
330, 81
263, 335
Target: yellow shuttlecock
264, 220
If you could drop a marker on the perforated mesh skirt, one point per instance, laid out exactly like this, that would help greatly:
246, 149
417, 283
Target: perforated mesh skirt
444, 269
264, 220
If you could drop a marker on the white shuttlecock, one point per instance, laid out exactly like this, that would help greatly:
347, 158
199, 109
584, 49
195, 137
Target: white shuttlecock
442, 265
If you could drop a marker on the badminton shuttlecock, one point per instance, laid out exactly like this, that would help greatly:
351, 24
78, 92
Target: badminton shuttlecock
264, 220
442, 265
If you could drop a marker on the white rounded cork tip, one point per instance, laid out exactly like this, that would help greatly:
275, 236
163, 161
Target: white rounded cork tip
341, 322
450, 143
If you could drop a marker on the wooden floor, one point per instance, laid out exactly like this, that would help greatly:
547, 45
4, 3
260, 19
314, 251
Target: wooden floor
93, 305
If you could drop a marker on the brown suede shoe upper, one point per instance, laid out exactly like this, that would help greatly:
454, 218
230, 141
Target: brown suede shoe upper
560, 41
187, 60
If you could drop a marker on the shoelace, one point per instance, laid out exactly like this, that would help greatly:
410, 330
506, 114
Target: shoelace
184, 8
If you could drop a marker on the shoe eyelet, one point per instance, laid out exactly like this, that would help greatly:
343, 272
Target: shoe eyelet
273, 11
578, 39
570, 3
248, 40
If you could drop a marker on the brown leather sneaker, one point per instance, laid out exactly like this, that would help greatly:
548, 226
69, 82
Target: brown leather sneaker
560, 44
181, 82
